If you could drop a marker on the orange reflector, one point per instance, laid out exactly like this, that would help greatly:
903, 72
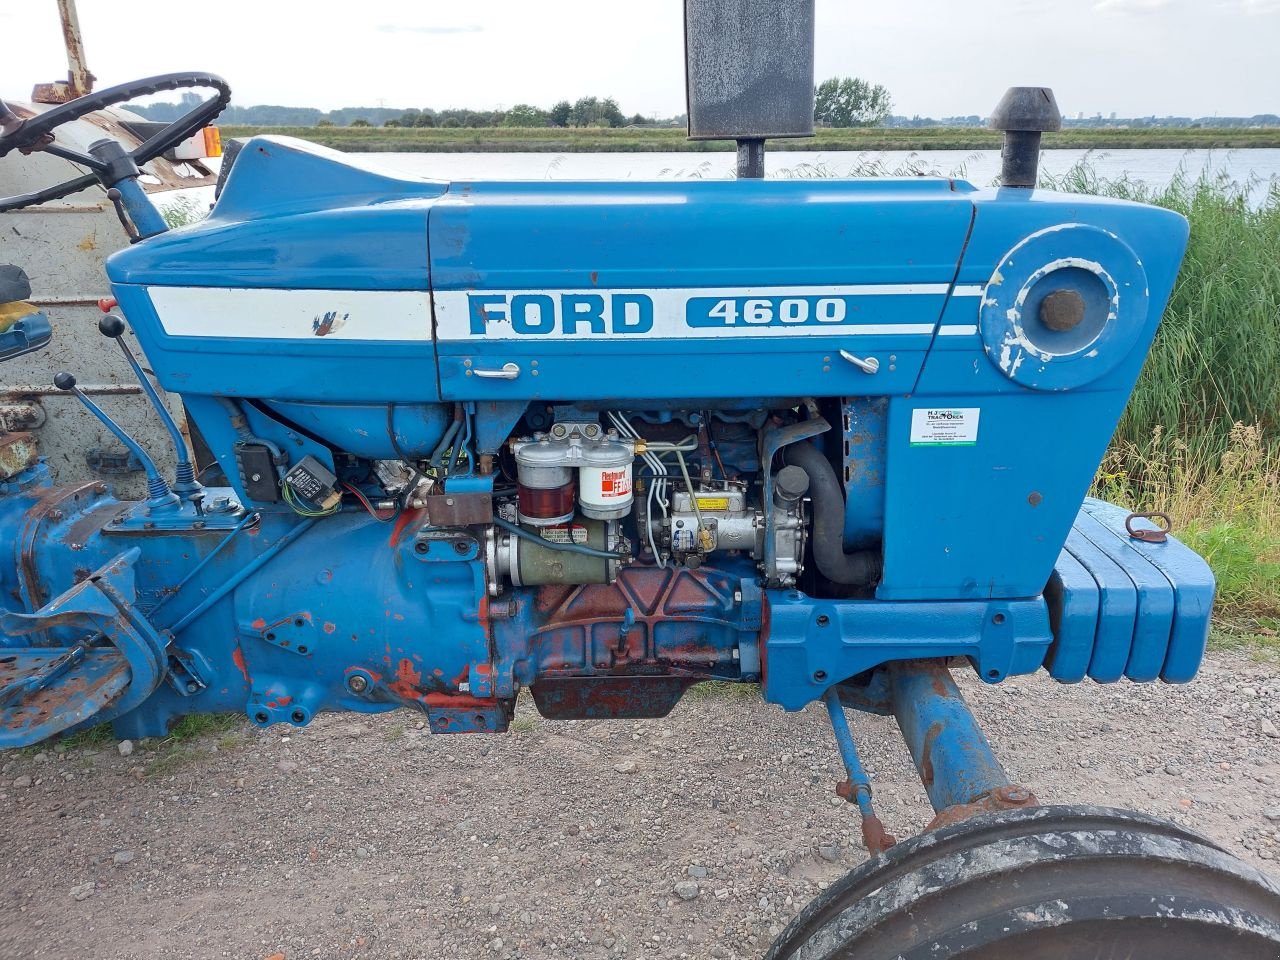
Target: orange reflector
212, 142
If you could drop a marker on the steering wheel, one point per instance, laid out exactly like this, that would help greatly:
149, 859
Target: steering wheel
165, 139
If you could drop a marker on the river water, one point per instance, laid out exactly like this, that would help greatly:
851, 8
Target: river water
1155, 168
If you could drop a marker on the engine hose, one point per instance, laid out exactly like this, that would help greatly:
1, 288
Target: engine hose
860, 568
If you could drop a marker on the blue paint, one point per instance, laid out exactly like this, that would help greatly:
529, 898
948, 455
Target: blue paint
859, 782
950, 751
682, 305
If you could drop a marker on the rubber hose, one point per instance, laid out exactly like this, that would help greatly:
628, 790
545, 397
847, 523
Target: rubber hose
860, 568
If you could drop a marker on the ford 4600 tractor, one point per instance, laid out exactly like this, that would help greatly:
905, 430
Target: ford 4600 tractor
604, 441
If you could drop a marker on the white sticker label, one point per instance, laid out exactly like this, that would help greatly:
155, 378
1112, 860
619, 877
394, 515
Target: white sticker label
951, 427
564, 533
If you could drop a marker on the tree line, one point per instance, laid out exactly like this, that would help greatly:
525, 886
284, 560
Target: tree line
583, 112
838, 102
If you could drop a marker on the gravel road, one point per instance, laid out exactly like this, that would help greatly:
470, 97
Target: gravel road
694, 836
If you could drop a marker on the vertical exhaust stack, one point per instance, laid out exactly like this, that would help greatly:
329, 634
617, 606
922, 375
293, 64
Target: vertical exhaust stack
1023, 115
749, 73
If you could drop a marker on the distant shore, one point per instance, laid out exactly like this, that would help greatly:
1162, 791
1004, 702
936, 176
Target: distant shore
590, 140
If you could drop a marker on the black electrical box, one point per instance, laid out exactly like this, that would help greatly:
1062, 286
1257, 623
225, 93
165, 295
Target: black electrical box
257, 472
311, 481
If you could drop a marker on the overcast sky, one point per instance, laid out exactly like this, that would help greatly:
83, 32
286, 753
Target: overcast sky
937, 57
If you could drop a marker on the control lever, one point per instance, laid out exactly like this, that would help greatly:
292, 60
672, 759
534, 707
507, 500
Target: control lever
185, 483
159, 494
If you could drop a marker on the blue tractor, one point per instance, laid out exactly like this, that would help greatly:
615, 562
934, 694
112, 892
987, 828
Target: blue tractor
605, 441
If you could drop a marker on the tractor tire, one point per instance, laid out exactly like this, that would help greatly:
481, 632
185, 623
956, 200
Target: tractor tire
1045, 883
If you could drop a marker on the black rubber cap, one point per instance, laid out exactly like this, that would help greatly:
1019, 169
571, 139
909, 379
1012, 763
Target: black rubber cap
791, 483
112, 325
64, 381
1027, 110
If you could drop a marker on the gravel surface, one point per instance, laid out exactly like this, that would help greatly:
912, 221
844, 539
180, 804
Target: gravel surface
698, 835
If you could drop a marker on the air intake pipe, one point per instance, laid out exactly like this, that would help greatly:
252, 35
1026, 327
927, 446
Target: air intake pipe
858, 569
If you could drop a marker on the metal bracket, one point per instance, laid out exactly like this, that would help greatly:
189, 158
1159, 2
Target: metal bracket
51, 688
772, 440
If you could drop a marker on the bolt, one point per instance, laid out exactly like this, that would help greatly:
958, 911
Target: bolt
192, 686
357, 683
55, 515
1015, 795
421, 547
1062, 310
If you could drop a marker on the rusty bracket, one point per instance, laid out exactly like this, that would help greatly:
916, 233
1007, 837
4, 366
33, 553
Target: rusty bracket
1012, 797
459, 509
18, 452
874, 836
47, 690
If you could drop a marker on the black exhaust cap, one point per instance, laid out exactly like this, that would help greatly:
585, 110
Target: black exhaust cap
1023, 115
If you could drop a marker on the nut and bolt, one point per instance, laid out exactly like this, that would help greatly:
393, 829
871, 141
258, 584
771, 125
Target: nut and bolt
1015, 795
357, 683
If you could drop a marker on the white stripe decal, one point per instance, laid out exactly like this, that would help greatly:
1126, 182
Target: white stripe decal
969, 290
249, 314
812, 311
958, 330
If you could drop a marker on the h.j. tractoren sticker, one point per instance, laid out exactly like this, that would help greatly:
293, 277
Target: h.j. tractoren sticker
945, 427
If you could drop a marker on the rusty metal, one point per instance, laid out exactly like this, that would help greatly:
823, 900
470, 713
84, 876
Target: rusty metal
609, 698
1149, 536
21, 416
1012, 797
874, 836
956, 763
79, 80
18, 451
749, 68
50, 507
48, 390
459, 509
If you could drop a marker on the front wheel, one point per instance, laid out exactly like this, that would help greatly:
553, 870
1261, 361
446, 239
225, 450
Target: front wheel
1044, 883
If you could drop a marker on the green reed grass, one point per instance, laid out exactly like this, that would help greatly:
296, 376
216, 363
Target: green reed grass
1216, 358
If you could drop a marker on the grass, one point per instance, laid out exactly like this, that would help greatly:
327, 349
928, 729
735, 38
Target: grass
1216, 359
182, 211
589, 140
722, 689
1226, 508
1200, 439
181, 747
525, 723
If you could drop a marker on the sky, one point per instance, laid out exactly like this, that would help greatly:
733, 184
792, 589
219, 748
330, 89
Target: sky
937, 57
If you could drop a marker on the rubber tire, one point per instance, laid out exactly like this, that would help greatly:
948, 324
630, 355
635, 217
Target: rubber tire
1042, 883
